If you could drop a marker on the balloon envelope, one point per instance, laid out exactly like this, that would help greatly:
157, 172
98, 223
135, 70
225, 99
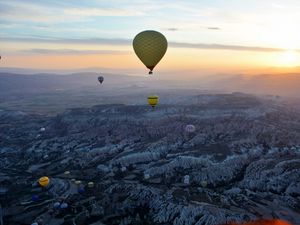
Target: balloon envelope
44, 181
91, 184
190, 128
56, 205
81, 190
153, 100
77, 182
150, 46
64, 205
35, 198
101, 79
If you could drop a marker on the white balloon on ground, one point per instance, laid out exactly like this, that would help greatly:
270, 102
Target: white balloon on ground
190, 128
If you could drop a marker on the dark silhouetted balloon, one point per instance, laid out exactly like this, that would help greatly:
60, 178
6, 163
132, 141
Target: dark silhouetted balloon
100, 79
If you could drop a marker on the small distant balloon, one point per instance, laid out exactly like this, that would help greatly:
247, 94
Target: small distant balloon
43, 129
204, 183
64, 205
91, 184
56, 205
67, 172
153, 100
78, 182
44, 181
81, 190
100, 79
35, 198
190, 128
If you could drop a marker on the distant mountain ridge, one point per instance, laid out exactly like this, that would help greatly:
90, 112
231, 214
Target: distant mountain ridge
277, 84
38, 83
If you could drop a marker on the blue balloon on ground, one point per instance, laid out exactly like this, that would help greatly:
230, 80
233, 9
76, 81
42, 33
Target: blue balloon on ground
35, 198
81, 190
64, 205
56, 205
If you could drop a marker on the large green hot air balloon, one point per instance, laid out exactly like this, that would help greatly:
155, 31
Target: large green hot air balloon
150, 46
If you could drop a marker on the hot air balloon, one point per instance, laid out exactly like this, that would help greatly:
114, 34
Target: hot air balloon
78, 182
35, 198
190, 128
204, 183
64, 205
153, 100
43, 129
100, 79
150, 46
81, 190
56, 205
91, 184
44, 181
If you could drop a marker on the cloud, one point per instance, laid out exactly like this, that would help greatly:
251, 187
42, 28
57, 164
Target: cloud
126, 42
74, 52
224, 47
89, 41
172, 29
213, 28
90, 12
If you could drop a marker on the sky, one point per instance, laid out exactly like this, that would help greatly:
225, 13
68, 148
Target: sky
204, 36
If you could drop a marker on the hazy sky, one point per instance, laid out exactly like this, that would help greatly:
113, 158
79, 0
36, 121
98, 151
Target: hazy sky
203, 35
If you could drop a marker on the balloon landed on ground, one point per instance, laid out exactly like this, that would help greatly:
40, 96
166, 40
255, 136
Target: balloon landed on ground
146, 176
44, 181
150, 46
78, 182
190, 128
56, 205
35, 198
81, 190
91, 184
204, 183
153, 100
100, 79
64, 205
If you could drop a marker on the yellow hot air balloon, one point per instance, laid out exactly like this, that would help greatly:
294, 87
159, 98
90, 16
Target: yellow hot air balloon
150, 46
44, 181
153, 100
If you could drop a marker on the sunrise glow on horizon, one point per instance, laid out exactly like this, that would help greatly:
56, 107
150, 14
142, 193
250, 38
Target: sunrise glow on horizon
214, 36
